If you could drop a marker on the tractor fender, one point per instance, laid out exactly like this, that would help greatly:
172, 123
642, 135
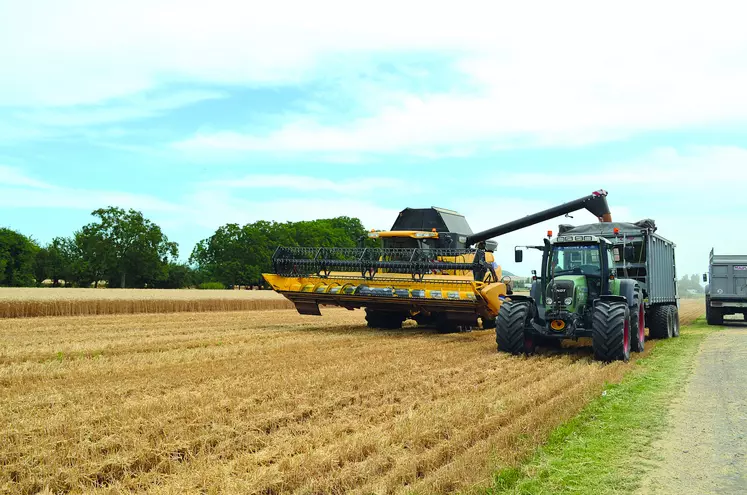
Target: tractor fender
628, 290
611, 298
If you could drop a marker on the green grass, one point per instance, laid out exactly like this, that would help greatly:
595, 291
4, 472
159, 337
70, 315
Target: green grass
602, 449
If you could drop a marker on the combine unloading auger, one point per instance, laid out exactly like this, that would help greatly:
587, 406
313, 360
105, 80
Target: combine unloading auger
426, 270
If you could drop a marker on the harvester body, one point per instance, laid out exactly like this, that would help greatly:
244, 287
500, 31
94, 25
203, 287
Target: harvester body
427, 270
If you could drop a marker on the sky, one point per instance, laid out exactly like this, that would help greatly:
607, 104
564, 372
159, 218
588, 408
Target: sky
203, 113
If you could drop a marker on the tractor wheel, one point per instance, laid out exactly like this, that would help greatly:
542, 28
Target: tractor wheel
660, 326
674, 314
510, 328
610, 331
638, 327
388, 320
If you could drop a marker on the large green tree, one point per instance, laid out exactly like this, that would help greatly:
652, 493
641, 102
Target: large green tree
17, 259
125, 248
238, 255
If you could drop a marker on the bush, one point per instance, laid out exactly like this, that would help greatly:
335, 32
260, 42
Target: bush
212, 286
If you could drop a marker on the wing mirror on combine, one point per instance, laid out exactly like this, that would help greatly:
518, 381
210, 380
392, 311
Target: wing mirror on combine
705, 277
518, 255
629, 254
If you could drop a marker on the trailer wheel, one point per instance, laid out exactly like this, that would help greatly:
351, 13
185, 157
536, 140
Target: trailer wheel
388, 320
638, 327
610, 331
661, 323
674, 314
510, 328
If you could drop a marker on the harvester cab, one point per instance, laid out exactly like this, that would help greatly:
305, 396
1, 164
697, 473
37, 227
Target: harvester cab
426, 270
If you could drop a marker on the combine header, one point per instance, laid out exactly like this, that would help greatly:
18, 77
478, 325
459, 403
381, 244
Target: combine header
427, 269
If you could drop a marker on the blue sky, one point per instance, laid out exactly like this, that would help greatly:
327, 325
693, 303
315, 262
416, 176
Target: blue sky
204, 113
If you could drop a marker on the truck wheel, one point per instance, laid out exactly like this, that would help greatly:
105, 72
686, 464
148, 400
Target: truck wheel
509, 328
674, 314
610, 331
661, 323
638, 327
387, 320
713, 316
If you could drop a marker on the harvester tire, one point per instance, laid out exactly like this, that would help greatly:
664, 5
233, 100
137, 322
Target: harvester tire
386, 320
661, 323
510, 328
610, 331
638, 327
674, 314
488, 323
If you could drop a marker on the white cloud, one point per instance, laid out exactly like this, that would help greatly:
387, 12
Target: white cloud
539, 73
122, 110
345, 187
15, 177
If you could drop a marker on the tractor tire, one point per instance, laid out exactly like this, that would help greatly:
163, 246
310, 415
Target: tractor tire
638, 328
660, 326
510, 326
674, 314
610, 331
386, 320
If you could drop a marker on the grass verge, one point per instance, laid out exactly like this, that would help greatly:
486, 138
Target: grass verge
600, 450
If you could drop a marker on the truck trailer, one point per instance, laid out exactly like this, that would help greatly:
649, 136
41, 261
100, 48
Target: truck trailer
726, 293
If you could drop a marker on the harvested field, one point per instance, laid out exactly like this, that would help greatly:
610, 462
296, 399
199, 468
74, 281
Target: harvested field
271, 402
20, 303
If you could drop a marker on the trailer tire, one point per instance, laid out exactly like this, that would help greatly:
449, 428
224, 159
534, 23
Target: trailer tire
610, 331
638, 327
661, 323
387, 320
674, 313
510, 328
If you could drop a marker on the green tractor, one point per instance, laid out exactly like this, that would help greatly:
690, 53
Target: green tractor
577, 295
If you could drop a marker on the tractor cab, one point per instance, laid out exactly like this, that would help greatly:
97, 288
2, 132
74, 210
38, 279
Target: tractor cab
575, 272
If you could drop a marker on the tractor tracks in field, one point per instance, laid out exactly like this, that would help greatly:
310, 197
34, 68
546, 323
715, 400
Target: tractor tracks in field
705, 449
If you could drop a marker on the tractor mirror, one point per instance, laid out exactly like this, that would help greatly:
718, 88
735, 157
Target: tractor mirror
629, 254
705, 277
518, 256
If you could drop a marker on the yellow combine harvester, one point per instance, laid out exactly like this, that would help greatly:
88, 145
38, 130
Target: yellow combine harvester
427, 270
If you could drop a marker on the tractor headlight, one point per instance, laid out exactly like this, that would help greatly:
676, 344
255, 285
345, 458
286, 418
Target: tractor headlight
549, 301
568, 301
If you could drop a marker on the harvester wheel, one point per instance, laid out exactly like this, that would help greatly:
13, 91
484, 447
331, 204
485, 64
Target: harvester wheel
610, 331
445, 325
638, 328
674, 314
510, 328
387, 320
488, 323
661, 323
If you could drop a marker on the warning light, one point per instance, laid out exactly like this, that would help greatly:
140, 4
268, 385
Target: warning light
616, 230
433, 229
549, 233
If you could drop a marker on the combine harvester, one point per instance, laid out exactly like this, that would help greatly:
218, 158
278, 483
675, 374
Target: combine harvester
427, 270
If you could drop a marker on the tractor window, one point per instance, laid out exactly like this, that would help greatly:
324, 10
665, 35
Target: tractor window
575, 259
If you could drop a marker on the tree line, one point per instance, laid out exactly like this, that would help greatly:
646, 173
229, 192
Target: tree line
122, 248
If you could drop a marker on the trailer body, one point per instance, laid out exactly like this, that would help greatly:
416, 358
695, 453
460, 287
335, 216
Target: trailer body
726, 293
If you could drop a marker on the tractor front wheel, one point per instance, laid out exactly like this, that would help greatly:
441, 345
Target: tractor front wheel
510, 328
610, 331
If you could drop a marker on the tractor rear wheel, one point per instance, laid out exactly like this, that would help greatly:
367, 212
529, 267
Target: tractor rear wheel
510, 328
674, 314
661, 323
638, 326
388, 320
610, 331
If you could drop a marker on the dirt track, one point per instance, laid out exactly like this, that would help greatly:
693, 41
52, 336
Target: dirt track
706, 449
